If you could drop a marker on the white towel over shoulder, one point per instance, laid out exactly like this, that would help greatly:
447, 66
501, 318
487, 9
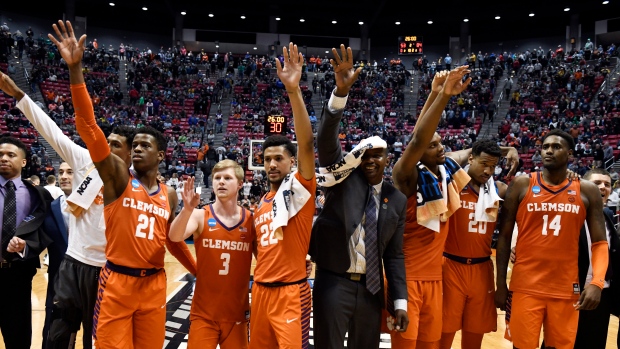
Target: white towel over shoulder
487, 206
85, 194
289, 200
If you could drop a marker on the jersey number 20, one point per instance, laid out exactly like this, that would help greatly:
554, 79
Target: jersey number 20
476, 227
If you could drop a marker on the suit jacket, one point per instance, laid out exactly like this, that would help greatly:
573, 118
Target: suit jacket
32, 229
57, 232
343, 210
614, 250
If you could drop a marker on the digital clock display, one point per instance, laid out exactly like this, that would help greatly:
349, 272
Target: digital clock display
410, 45
276, 125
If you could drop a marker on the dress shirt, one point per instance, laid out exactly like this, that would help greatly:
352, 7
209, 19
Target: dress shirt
23, 200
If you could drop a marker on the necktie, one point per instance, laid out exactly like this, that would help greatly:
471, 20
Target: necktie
373, 283
10, 216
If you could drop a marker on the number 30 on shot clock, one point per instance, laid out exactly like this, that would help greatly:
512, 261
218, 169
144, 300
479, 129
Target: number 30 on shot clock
276, 125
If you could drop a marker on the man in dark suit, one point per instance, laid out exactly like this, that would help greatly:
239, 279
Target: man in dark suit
348, 291
23, 239
593, 324
56, 223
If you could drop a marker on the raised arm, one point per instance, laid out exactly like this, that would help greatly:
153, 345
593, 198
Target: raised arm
190, 220
591, 295
330, 150
111, 168
405, 171
70, 152
290, 75
513, 198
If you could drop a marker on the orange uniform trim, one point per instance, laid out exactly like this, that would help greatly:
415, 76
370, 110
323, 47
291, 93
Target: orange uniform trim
600, 261
86, 124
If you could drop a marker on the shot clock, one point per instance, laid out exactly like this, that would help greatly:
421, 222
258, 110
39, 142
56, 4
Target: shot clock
410, 45
276, 125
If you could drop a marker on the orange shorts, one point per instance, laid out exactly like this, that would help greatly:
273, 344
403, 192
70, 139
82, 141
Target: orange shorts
558, 318
280, 316
208, 334
468, 297
424, 311
130, 311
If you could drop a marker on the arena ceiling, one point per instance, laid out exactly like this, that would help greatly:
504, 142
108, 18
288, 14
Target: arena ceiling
379, 16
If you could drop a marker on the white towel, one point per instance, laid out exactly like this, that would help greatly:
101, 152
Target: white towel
338, 172
84, 195
289, 200
487, 206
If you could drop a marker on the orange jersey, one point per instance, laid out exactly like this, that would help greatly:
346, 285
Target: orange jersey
283, 260
423, 256
469, 238
549, 220
224, 258
136, 226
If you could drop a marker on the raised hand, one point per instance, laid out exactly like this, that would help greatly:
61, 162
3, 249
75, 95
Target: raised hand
344, 73
454, 84
69, 47
8, 86
439, 80
512, 159
290, 74
191, 199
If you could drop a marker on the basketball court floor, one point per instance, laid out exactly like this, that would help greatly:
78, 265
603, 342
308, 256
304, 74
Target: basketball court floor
180, 293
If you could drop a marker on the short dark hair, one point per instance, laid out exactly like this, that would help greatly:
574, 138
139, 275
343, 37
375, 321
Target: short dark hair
159, 137
486, 146
557, 132
16, 142
279, 140
594, 171
127, 132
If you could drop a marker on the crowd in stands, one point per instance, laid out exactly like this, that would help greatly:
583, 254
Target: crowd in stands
174, 89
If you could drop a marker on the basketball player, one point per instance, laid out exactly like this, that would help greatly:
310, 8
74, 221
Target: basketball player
549, 210
130, 308
468, 280
224, 238
424, 297
280, 316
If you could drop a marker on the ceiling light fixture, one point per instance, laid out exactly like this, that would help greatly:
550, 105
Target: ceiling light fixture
466, 20
302, 20
144, 8
430, 22
497, 17
334, 22
532, 14
183, 13
242, 17
360, 23
605, 2
277, 18
567, 9
210, 14
112, 4
397, 23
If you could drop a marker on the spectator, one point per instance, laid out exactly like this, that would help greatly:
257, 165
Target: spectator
52, 188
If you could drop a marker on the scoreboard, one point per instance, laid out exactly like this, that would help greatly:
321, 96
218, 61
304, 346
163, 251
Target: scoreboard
410, 45
276, 125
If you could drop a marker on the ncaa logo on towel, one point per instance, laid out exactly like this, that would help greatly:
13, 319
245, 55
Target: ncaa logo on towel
535, 189
211, 222
135, 183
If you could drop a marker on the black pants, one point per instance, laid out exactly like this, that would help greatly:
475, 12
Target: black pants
15, 305
342, 305
76, 288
